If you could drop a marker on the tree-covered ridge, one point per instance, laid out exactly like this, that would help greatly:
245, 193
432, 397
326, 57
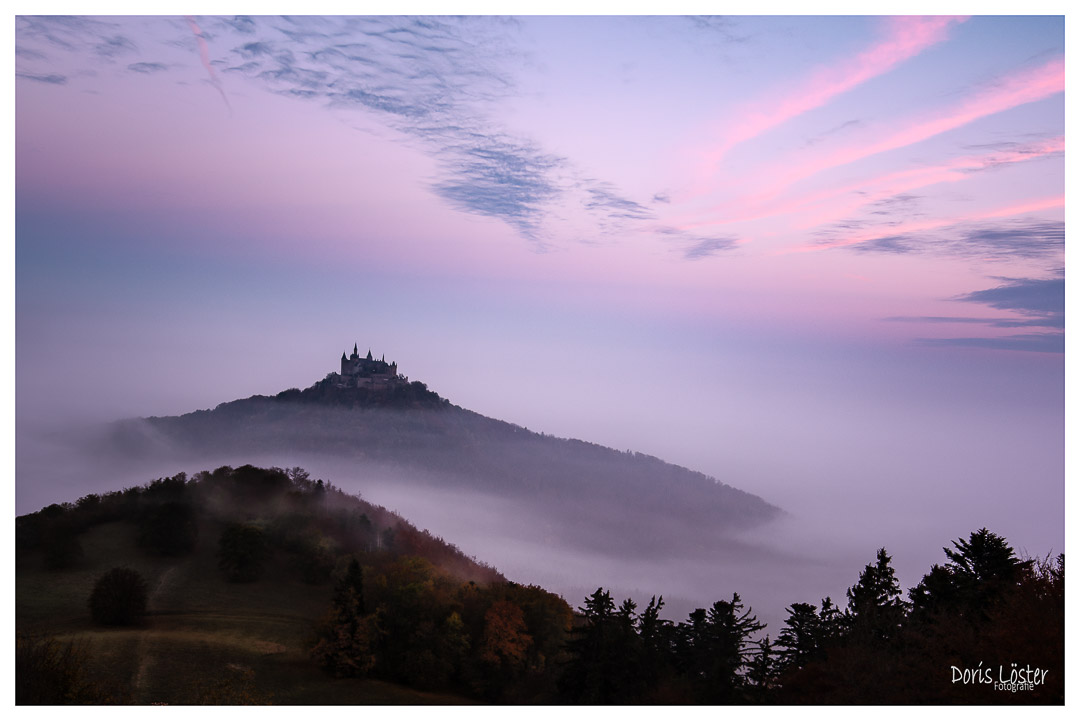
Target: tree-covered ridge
296, 516
403, 607
443, 445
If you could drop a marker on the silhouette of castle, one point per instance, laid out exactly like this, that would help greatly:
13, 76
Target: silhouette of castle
366, 372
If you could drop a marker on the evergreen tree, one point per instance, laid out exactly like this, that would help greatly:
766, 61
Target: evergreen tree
346, 636
801, 639
762, 672
979, 570
714, 649
599, 648
875, 607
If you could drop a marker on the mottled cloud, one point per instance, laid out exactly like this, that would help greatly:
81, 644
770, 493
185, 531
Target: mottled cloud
603, 197
500, 178
997, 232
436, 80
707, 247
147, 68
112, 46
696, 247
51, 78
1024, 239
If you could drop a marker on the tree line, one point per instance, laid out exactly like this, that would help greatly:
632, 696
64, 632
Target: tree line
983, 626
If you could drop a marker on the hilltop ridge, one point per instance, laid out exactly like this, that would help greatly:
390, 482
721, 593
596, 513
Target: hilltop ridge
585, 494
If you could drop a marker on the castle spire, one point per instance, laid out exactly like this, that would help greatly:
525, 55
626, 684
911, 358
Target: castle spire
369, 354
354, 349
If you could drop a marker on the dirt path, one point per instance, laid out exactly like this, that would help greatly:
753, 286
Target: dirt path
147, 659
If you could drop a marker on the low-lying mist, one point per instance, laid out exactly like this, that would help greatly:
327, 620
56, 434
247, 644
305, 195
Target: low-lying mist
903, 465
770, 567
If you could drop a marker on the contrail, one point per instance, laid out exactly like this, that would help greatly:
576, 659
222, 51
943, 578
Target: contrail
204, 53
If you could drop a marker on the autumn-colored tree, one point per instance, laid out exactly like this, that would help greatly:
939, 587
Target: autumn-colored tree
505, 643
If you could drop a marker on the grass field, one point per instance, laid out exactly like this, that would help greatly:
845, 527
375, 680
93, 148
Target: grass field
204, 640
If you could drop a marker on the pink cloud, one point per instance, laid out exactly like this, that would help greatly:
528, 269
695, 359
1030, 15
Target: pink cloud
884, 186
1013, 90
1030, 206
888, 185
905, 38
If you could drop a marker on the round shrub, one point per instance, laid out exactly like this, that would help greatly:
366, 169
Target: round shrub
119, 598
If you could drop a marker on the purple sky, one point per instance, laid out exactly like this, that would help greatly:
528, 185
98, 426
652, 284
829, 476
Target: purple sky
819, 258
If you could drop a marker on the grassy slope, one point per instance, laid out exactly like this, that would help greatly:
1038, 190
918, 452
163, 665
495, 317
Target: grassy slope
202, 636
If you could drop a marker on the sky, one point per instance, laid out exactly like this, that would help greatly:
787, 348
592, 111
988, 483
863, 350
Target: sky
818, 258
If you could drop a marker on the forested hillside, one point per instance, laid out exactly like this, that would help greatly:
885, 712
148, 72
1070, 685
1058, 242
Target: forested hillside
594, 497
253, 585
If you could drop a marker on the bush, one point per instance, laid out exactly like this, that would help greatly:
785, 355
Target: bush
241, 552
48, 672
119, 598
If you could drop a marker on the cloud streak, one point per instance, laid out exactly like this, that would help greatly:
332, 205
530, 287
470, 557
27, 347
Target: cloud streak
51, 78
1034, 342
204, 56
904, 38
900, 230
1013, 90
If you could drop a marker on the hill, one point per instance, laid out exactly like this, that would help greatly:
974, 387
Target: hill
228, 628
580, 495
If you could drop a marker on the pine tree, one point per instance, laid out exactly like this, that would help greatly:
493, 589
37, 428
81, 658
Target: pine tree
875, 607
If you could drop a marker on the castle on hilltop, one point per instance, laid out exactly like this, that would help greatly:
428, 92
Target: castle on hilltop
366, 372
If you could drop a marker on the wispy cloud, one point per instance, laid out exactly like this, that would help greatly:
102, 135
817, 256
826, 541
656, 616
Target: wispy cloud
604, 197
147, 68
832, 131
904, 38
708, 247
204, 56
110, 47
1015, 239
898, 183
1036, 342
1013, 90
434, 80
51, 78
1032, 238
696, 247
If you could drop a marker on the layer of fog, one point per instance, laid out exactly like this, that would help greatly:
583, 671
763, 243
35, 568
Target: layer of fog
861, 453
